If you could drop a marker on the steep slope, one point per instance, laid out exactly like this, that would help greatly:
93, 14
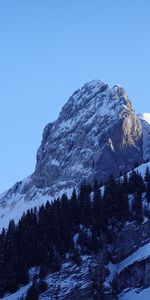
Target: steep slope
145, 122
96, 134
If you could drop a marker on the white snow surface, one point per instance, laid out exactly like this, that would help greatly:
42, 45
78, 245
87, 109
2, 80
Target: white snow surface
135, 294
145, 116
142, 253
142, 168
20, 293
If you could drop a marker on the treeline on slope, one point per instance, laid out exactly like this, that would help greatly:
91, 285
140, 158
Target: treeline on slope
44, 237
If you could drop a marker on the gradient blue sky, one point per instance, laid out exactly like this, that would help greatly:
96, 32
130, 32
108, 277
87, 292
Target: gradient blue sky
49, 48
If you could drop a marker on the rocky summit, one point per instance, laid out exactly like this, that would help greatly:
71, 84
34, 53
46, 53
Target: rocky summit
96, 134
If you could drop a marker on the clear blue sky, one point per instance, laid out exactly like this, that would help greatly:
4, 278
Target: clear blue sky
49, 48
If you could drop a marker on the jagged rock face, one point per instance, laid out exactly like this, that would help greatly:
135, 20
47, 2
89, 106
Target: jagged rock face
95, 135
145, 122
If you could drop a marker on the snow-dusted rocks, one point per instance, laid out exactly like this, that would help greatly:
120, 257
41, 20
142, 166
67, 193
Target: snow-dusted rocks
95, 135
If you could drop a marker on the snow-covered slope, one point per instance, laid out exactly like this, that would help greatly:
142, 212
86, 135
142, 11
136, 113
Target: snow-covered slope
146, 117
142, 168
14, 201
135, 294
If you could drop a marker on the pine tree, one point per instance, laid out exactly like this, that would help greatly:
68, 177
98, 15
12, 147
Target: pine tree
74, 209
138, 206
123, 189
147, 175
136, 182
110, 199
85, 206
148, 192
32, 293
98, 211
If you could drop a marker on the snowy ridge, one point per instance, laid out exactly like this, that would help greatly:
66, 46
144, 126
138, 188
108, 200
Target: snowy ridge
145, 117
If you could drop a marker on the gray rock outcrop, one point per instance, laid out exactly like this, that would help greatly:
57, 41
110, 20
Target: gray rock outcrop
96, 134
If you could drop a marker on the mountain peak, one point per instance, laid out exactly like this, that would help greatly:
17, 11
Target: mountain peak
77, 140
95, 97
89, 89
96, 134
94, 83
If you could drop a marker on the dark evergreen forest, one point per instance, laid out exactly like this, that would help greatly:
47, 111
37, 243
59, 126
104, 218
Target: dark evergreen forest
43, 237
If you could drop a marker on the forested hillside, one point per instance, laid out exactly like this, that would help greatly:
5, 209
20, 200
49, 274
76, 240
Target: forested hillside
69, 228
